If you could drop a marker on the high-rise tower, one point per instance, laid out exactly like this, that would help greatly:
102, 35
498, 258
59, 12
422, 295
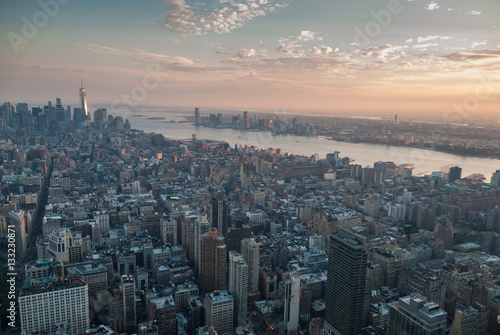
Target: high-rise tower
292, 303
18, 220
83, 102
219, 213
201, 226
238, 286
213, 255
197, 117
250, 251
345, 285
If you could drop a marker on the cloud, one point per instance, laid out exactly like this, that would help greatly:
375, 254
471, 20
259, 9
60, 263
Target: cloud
385, 53
42, 67
306, 35
424, 46
171, 62
476, 44
290, 45
290, 48
427, 38
323, 50
250, 53
474, 55
474, 12
432, 6
222, 18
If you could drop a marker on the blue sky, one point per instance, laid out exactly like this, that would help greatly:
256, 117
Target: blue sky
330, 56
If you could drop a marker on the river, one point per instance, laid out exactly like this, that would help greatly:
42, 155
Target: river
424, 161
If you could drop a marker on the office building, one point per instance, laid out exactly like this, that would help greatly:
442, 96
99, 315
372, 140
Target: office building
495, 178
128, 296
201, 226
443, 230
95, 278
213, 255
246, 120
245, 175
372, 206
219, 312
219, 214
472, 320
238, 286
55, 305
414, 315
292, 304
164, 312
236, 234
345, 287
455, 173
250, 251
18, 220
168, 230
197, 117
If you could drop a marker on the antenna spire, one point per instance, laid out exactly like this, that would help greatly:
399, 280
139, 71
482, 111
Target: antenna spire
82, 81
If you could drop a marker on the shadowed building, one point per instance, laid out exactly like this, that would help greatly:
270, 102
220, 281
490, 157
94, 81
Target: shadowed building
345, 285
213, 255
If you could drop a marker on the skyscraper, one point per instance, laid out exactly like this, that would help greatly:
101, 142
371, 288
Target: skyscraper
60, 113
455, 173
83, 102
238, 286
213, 255
201, 226
250, 252
345, 285
245, 175
246, 120
292, 303
128, 295
219, 213
197, 118
18, 220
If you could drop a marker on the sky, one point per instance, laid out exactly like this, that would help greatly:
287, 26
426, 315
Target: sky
337, 57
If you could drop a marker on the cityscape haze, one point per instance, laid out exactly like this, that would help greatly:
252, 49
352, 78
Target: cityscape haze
248, 167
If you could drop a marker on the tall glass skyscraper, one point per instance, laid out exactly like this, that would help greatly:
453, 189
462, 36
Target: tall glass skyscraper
83, 102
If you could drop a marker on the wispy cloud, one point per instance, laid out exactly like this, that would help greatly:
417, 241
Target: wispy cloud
221, 18
172, 62
474, 55
475, 12
427, 38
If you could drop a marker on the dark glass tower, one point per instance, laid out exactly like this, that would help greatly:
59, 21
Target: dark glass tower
345, 286
455, 173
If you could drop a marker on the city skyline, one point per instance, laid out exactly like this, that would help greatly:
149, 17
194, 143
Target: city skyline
276, 56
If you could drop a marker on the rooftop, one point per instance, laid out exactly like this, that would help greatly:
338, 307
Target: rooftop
51, 285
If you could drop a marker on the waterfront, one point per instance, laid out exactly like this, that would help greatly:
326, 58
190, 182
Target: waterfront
425, 161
